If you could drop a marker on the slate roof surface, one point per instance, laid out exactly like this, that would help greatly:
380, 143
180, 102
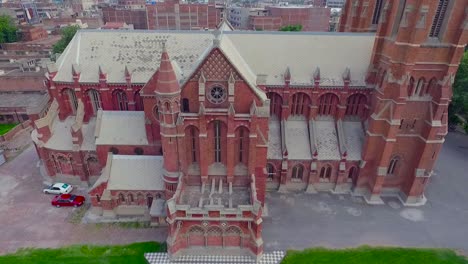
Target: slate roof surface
21, 99
297, 140
354, 135
121, 128
133, 172
274, 140
327, 140
252, 53
61, 138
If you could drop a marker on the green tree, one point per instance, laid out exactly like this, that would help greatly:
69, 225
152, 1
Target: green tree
291, 28
8, 30
67, 36
459, 103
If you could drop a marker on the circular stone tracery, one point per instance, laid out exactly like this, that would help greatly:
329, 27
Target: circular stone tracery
217, 95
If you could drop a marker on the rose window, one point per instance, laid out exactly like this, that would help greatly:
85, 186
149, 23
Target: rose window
217, 95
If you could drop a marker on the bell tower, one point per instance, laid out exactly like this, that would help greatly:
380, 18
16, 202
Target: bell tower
168, 108
418, 47
361, 15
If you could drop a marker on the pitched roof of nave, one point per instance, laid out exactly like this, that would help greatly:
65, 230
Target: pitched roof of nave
253, 54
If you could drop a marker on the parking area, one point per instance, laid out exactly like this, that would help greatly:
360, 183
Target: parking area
27, 219
303, 220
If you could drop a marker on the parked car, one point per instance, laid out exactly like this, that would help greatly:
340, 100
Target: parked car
68, 200
58, 188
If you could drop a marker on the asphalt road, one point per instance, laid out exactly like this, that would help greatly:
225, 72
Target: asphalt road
303, 220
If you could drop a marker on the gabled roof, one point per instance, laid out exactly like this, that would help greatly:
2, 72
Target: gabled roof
253, 53
121, 128
224, 25
145, 171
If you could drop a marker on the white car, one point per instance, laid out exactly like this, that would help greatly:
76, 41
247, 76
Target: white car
58, 188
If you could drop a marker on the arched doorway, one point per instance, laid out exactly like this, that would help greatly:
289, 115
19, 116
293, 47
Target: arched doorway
232, 237
196, 237
214, 237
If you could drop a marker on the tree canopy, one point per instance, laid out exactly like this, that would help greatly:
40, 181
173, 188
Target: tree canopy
291, 28
8, 30
67, 36
459, 103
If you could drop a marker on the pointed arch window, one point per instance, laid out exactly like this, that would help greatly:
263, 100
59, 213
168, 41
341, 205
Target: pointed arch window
297, 172
356, 105
392, 168
71, 98
410, 86
120, 100
95, 100
138, 101
300, 102
185, 105
217, 141
439, 18
352, 173
328, 104
275, 104
193, 144
270, 171
431, 86
242, 145
325, 172
130, 198
420, 87
121, 198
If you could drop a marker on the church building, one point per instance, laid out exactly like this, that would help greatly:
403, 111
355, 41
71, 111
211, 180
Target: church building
191, 129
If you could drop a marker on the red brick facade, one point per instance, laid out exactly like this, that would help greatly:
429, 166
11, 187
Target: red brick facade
183, 16
213, 128
416, 56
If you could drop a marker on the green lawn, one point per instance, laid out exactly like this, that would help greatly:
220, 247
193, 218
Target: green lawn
133, 254
85, 254
368, 255
4, 128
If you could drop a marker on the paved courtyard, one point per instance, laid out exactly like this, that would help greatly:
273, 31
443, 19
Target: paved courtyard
297, 220
302, 220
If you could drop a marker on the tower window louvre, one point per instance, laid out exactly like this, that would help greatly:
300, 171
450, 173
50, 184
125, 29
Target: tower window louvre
377, 11
439, 18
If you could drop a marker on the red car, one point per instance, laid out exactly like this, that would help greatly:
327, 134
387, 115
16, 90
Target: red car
68, 200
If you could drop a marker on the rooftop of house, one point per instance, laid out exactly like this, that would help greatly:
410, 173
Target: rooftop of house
21, 99
258, 56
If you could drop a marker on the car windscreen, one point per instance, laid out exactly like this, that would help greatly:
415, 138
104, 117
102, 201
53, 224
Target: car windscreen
64, 185
72, 197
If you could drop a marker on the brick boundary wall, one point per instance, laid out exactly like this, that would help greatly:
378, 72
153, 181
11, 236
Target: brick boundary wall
18, 128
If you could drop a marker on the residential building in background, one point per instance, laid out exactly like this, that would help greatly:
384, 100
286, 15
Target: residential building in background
240, 17
174, 15
311, 18
135, 16
168, 15
272, 18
